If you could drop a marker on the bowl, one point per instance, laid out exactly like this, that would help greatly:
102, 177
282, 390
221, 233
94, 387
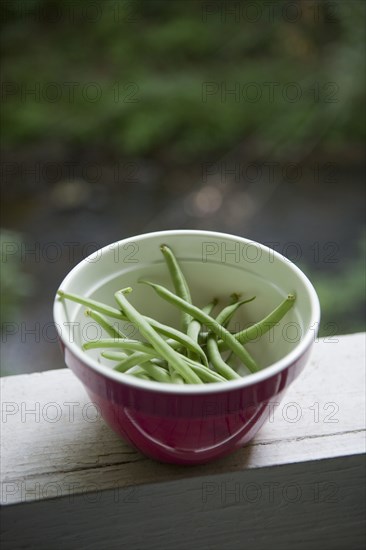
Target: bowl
190, 424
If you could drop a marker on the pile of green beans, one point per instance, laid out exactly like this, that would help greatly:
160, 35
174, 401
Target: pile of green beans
192, 355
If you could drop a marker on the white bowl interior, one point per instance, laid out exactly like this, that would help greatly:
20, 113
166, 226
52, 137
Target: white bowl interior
215, 265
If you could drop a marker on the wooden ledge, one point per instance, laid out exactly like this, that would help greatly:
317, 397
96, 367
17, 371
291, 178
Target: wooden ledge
60, 462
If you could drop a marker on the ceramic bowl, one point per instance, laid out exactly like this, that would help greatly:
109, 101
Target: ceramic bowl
190, 424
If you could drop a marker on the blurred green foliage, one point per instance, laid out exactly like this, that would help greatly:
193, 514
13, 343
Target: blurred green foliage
342, 296
151, 59
15, 283
161, 68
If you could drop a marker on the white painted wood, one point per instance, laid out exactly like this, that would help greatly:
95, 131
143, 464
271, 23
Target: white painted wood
104, 489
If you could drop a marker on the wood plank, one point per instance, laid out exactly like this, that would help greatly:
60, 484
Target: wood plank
68, 481
51, 433
306, 505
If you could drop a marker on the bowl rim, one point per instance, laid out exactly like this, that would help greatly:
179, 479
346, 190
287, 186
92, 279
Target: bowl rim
207, 388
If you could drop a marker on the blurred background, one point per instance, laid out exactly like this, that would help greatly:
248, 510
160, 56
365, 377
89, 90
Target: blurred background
123, 117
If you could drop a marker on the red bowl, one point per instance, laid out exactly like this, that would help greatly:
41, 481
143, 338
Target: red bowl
190, 424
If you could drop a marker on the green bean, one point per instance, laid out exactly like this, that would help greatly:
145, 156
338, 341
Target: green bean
263, 326
126, 361
134, 345
115, 355
110, 329
127, 344
174, 334
217, 361
139, 372
179, 281
180, 356
207, 375
156, 373
92, 304
177, 335
223, 318
159, 344
115, 313
194, 328
160, 362
176, 377
227, 313
212, 324
137, 358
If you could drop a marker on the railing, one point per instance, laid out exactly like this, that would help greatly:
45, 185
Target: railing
69, 482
